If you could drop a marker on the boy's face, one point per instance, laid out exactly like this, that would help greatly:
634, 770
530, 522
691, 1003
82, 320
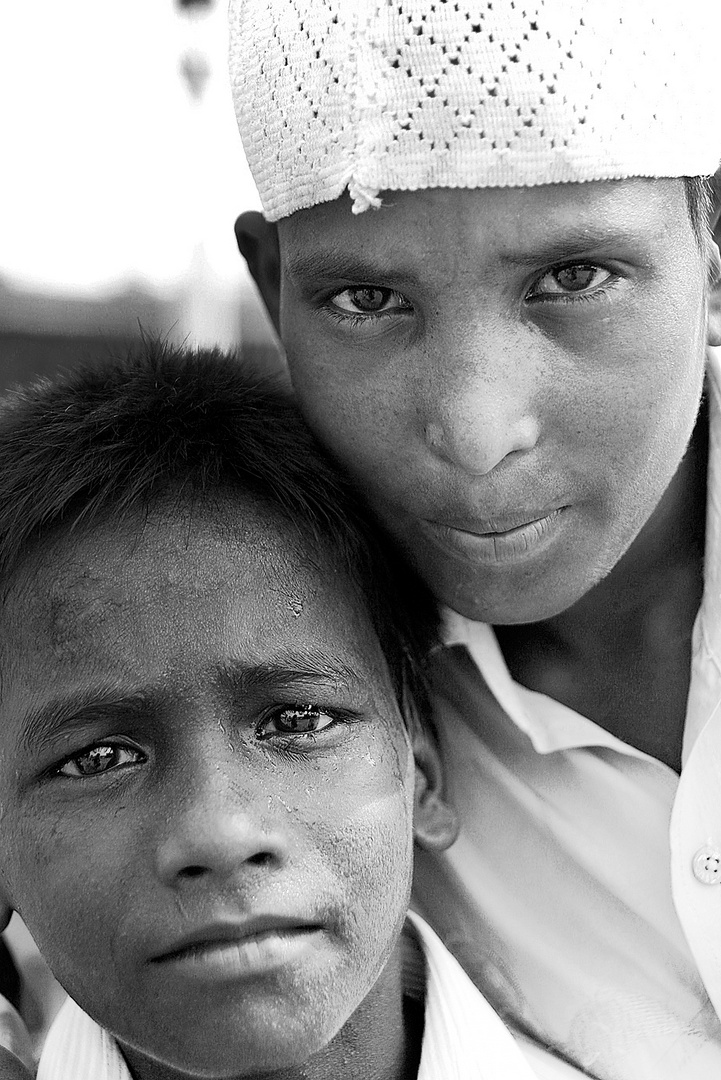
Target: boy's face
206, 788
512, 375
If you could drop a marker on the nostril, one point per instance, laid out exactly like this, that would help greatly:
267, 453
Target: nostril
205, 846
261, 858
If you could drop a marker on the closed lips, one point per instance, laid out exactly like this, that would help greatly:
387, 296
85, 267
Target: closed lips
208, 939
499, 526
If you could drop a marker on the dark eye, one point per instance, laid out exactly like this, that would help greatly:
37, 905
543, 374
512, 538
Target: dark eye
566, 280
296, 720
369, 300
99, 759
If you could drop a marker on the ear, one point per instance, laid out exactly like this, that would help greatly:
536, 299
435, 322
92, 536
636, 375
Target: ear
713, 333
5, 910
258, 243
435, 822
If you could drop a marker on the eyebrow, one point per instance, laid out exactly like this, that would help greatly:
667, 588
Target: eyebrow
64, 713
302, 667
309, 668
333, 266
575, 243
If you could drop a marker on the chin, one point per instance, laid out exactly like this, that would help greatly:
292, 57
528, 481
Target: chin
517, 603
262, 1054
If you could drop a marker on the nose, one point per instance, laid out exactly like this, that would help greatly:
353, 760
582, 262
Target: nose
479, 407
219, 833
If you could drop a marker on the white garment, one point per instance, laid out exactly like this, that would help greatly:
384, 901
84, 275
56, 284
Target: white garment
463, 1039
559, 895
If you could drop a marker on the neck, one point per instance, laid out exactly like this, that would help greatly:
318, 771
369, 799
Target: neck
621, 655
380, 1041
670, 546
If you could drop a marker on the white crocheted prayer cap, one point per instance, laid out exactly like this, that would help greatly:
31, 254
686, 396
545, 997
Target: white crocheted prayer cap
374, 95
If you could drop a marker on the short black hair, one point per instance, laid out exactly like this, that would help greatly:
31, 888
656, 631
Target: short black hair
114, 438
701, 196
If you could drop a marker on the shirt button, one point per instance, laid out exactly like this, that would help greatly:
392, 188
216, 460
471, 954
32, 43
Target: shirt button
707, 866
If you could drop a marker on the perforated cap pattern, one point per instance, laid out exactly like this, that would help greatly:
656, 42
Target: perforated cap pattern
372, 95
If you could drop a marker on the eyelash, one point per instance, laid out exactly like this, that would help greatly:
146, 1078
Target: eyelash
56, 770
597, 292
286, 741
336, 716
355, 320
347, 319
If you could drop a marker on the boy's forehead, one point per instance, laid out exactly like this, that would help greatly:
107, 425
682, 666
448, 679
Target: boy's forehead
200, 584
510, 223
64, 594
72, 608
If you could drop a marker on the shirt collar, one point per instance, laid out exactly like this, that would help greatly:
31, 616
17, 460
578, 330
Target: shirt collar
549, 725
463, 1037
77, 1048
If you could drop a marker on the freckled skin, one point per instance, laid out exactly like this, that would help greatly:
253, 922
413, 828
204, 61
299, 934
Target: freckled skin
207, 820
478, 388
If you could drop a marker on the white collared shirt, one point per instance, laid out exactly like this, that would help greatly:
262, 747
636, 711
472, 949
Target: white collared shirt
463, 1038
583, 893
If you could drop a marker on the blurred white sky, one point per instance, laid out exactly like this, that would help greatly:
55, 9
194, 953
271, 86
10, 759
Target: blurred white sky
111, 174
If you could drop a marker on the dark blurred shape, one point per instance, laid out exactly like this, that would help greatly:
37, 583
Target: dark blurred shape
9, 977
16, 1051
40, 333
193, 5
25, 356
195, 70
11, 1068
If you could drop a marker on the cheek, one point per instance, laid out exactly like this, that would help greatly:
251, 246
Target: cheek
348, 400
621, 395
371, 862
649, 404
370, 437
71, 890
370, 854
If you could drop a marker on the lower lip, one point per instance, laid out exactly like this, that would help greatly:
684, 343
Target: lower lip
492, 549
220, 960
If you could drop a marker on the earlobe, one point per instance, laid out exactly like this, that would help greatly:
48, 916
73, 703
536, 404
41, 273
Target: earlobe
258, 244
435, 822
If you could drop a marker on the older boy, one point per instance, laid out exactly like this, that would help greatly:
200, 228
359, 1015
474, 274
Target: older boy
209, 795
486, 249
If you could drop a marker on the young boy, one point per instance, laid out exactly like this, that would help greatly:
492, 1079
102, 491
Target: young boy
486, 249
209, 795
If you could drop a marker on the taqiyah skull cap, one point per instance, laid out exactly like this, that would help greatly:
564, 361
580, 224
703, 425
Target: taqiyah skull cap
374, 95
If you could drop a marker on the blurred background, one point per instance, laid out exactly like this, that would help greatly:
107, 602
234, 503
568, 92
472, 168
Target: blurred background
121, 175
